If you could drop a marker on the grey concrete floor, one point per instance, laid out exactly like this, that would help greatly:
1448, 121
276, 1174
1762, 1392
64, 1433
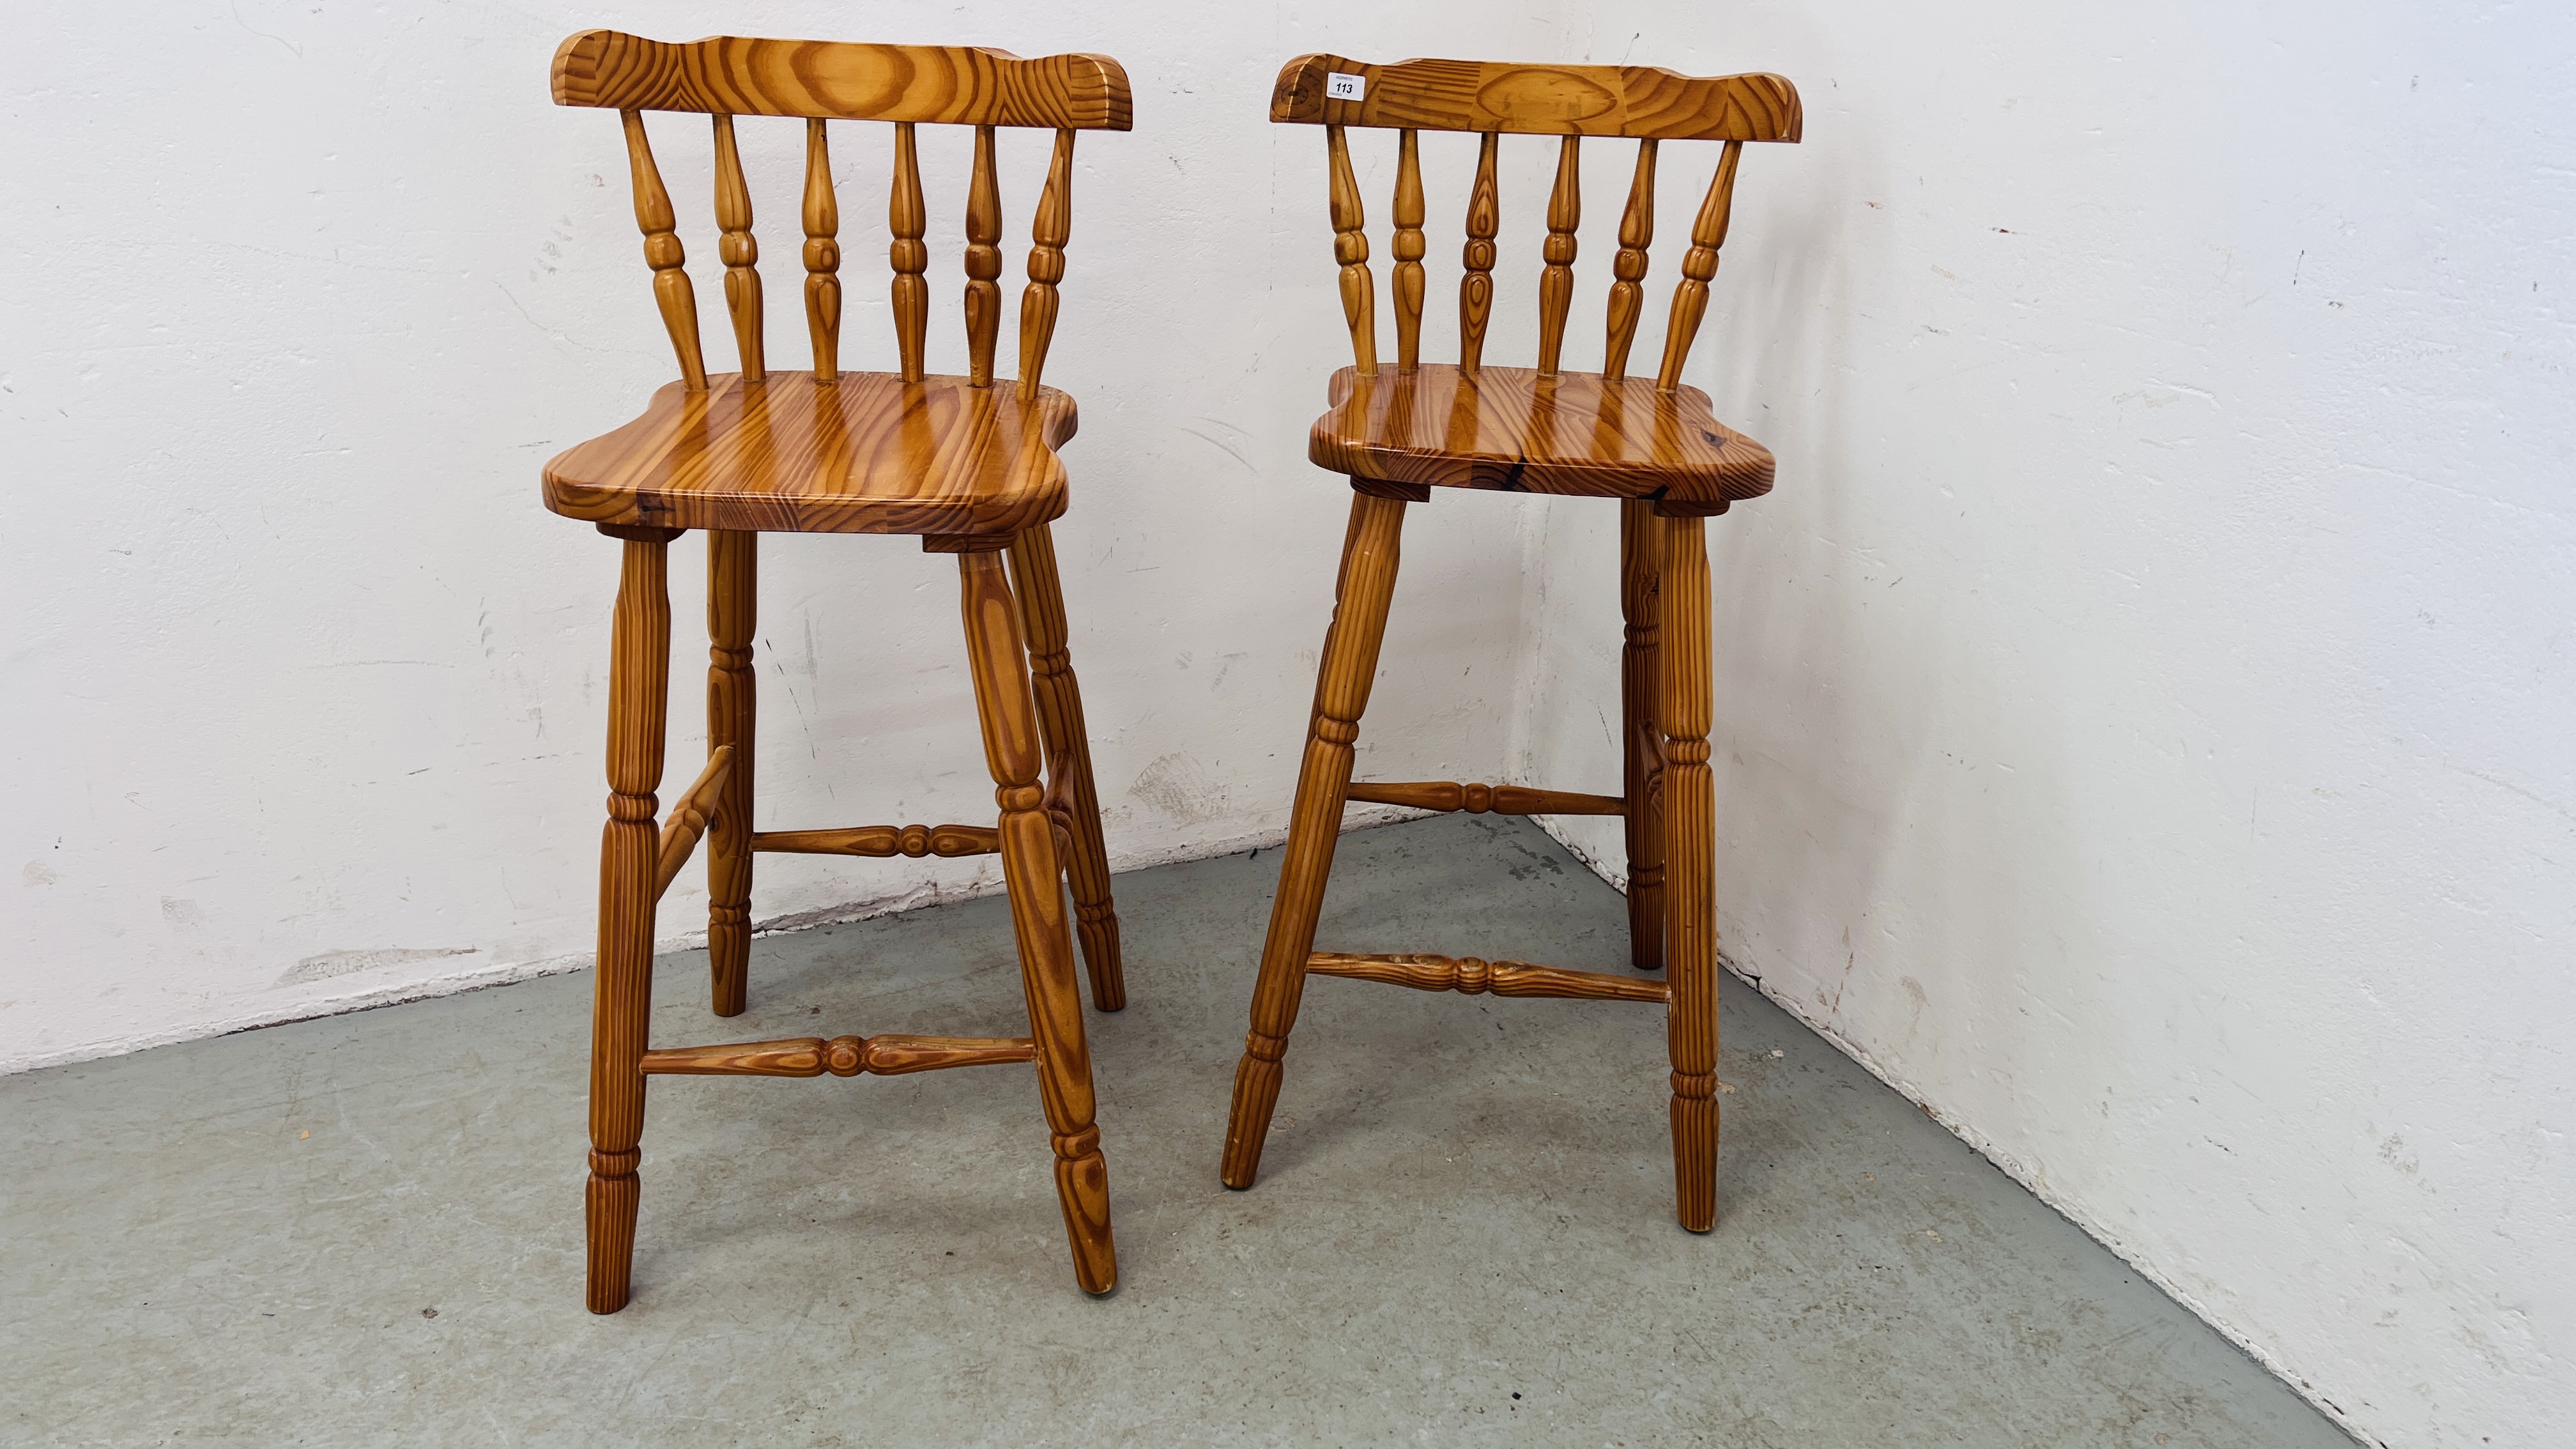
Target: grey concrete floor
367, 1229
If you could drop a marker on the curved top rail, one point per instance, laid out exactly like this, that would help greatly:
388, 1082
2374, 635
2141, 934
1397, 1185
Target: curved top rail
942, 84
1641, 101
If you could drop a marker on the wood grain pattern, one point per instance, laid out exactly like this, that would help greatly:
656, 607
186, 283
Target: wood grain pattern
1641, 746
739, 251
955, 85
1628, 269
822, 217
882, 841
1449, 795
1556, 281
639, 678
663, 253
1350, 249
1408, 248
983, 261
1370, 553
733, 612
1047, 236
865, 454
1586, 100
1699, 264
1073, 798
891, 1055
1690, 888
1471, 976
998, 663
1476, 284
1502, 428
688, 820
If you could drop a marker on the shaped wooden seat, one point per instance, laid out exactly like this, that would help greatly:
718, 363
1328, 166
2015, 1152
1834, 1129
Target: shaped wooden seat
968, 463
1399, 432
1520, 430
865, 452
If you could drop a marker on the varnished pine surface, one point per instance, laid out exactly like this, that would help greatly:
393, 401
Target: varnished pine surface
1509, 428
865, 454
1586, 100
734, 75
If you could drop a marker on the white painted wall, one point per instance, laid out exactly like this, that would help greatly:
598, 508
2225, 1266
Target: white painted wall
304, 688
2144, 704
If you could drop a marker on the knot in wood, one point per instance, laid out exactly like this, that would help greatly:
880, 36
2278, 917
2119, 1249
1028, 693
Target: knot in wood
822, 254
622, 806
845, 1056
1336, 731
1474, 976
1693, 1087
1479, 799
1019, 799
620, 1163
1074, 1146
915, 841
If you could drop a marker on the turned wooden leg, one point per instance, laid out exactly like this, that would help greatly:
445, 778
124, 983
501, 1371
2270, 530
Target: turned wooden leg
733, 561
1367, 583
639, 679
1029, 872
1638, 566
1068, 752
1690, 896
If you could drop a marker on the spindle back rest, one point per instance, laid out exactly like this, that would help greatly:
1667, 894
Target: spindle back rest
1647, 103
817, 81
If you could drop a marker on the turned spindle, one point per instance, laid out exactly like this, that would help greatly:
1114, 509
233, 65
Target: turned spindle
822, 255
1556, 281
1628, 269
1476, 288
1699, 264
663, 253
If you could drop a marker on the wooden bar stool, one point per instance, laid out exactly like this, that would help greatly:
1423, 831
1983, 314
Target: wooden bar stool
1653, 446
967, 463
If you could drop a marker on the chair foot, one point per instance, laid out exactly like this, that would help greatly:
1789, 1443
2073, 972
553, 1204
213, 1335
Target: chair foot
1256, 1097
608, 1212
1098, 932
1082, 1186
1695, 1152
729, 959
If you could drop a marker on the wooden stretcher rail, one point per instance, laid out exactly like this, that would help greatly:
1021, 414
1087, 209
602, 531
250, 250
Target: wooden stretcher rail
1481, 799
1471, 977
890, 1055
688, 818
883, 840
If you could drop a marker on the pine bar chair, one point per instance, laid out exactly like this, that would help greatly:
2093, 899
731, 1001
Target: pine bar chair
1654, 446
966, 463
